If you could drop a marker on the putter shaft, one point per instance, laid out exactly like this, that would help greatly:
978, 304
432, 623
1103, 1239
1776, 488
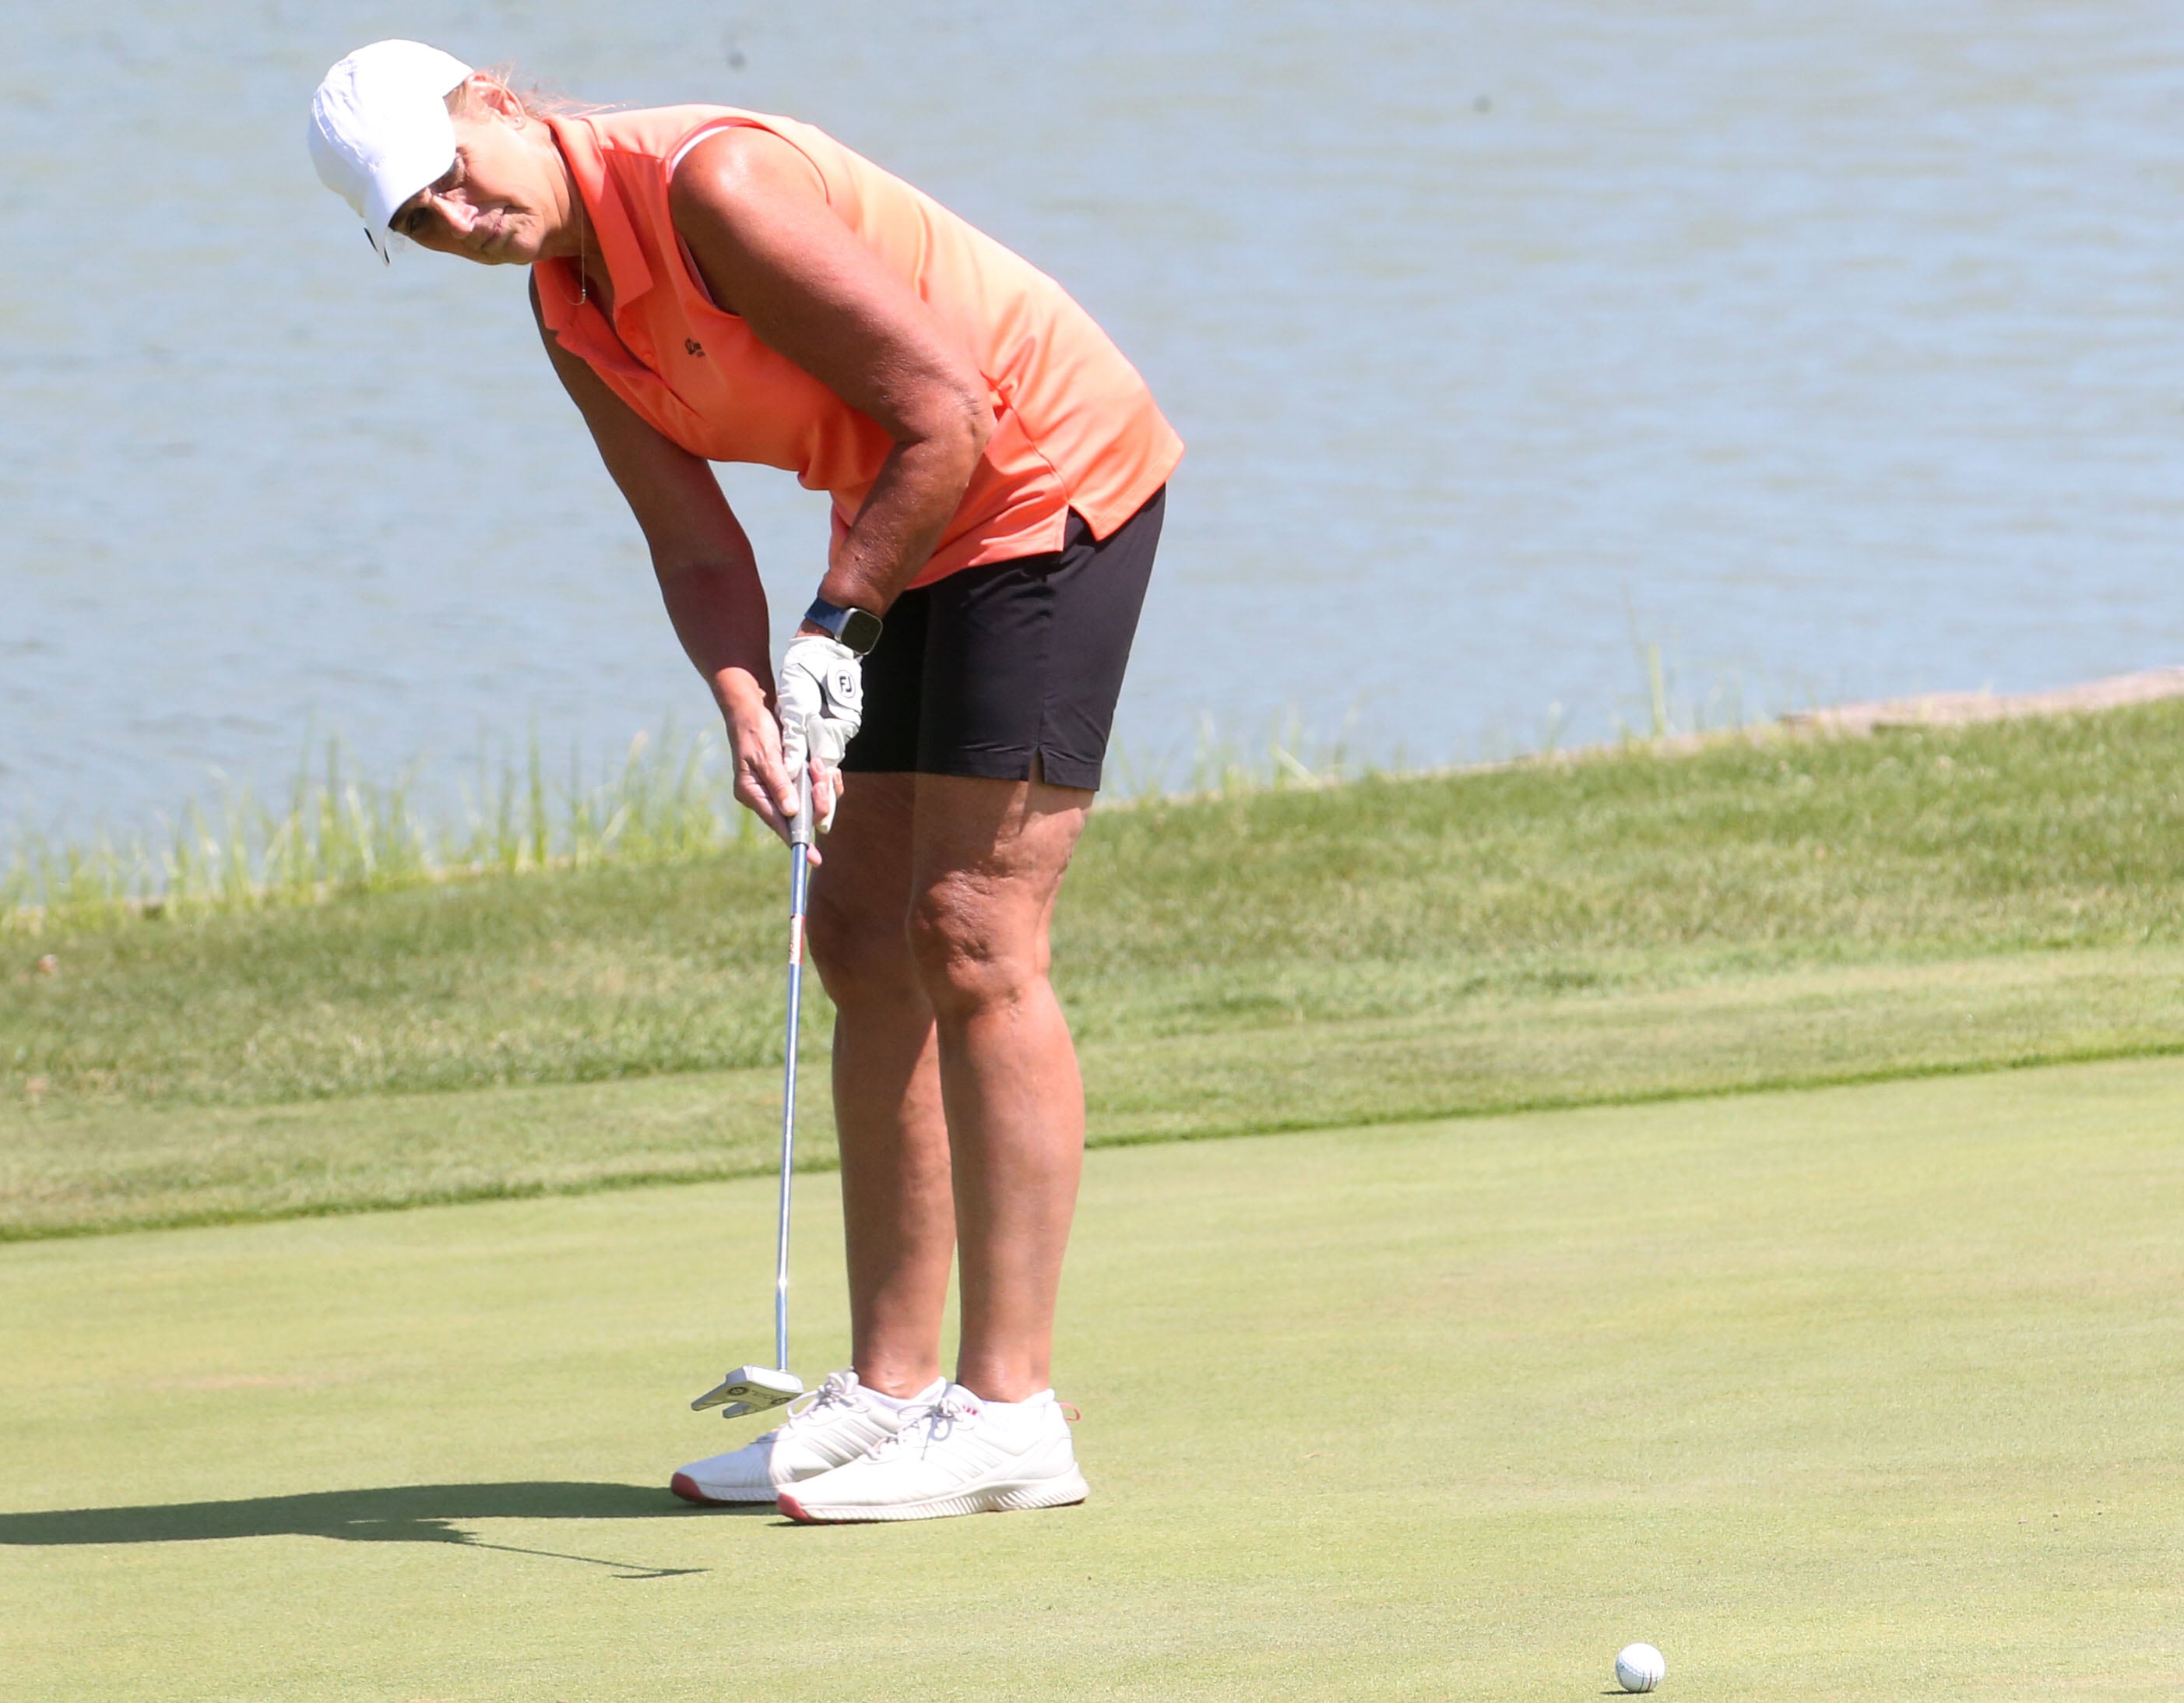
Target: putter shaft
752, 1389
799, 879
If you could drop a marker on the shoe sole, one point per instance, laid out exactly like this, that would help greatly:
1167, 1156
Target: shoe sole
1058, 1493
683, 1485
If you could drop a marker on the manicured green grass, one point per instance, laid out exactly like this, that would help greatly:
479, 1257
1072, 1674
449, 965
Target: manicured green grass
1866, 1393
1627, 925
84, 1167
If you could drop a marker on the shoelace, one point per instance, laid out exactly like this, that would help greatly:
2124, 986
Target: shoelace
833, 1392
932, 1421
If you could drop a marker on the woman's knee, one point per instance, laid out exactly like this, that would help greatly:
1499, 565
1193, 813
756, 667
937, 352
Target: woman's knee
976, 945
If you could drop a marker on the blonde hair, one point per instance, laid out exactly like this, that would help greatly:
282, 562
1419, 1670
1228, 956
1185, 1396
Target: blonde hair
536, 101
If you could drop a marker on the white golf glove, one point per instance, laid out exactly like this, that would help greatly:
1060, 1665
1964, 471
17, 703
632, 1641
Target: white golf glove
821, 698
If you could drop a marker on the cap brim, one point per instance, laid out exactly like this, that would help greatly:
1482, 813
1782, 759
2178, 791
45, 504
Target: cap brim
381, 130
420, 160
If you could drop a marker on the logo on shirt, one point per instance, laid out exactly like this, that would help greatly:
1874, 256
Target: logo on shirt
691, 346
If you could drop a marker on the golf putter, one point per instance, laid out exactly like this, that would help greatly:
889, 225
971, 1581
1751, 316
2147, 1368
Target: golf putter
753, 1389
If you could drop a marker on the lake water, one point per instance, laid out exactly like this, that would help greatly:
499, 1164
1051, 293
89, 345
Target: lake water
1834, 345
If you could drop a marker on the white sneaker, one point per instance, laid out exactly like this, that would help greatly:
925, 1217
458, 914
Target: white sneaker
837, 1421
957, 1455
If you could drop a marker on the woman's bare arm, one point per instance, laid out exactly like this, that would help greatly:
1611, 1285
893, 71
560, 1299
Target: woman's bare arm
708, 576
752, 210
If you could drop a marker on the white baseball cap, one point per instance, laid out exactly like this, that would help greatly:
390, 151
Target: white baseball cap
380, 129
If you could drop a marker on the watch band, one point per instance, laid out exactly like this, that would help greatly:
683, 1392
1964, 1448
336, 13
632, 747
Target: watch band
857, 628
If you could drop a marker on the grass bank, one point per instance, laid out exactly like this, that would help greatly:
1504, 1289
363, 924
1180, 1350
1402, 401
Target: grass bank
1624, 926
1864, 1393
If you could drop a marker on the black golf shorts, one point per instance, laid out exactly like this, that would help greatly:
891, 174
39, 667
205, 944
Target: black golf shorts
975, 674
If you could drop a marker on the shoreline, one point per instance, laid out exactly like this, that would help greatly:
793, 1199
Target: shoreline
1856, 719
1861, 718
1959, 709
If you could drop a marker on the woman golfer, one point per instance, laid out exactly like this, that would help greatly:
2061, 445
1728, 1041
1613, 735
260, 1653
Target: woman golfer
715, 285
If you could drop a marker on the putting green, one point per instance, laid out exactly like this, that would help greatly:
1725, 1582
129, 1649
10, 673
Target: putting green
1869, 1392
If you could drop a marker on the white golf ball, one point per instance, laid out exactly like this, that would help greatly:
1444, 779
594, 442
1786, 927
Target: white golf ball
1639, 1668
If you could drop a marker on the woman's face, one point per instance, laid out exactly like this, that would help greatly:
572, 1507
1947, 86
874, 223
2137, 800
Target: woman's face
506, 200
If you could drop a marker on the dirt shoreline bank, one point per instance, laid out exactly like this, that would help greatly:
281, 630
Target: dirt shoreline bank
1954, 709
1880, 715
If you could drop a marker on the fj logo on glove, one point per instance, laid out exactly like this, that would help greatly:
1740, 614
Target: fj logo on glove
820, 697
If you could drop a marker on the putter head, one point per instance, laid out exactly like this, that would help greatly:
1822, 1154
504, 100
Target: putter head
750, 1389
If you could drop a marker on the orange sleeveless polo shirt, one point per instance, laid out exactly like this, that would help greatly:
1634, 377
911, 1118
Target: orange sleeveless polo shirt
1074, 425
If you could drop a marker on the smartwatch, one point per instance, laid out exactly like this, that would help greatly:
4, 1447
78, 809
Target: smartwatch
858, 629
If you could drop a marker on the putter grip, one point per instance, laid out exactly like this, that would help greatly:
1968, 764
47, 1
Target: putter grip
800, 828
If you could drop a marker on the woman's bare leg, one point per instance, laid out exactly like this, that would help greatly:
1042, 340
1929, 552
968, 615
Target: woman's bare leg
986, 863
897, 1208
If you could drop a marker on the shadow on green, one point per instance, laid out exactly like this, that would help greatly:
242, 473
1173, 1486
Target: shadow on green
400, 1513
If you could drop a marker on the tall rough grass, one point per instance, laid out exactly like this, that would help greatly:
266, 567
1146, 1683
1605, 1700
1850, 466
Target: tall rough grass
337, 832
1220, 767
669, 799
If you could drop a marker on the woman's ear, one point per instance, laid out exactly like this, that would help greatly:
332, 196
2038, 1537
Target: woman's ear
484, 92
